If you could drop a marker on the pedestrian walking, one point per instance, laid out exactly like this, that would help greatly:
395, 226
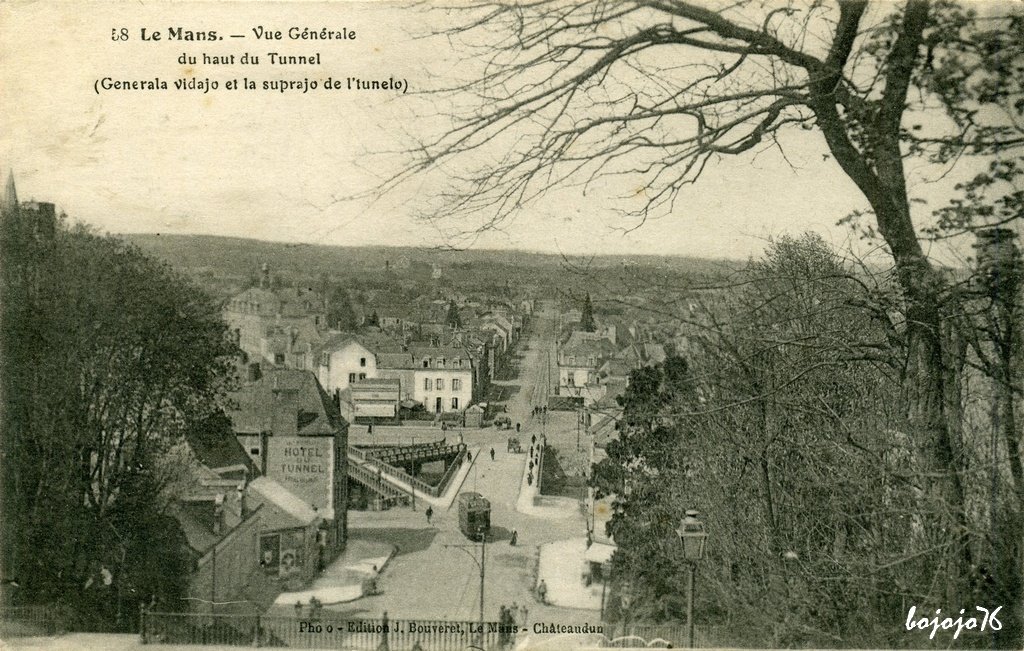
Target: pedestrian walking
429, 513
529, 479
492, 454
542, 592
531, 464
533, 439
517, 428
515, 538
469, 456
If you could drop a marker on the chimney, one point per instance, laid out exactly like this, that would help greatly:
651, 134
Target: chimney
218, 514
243, 504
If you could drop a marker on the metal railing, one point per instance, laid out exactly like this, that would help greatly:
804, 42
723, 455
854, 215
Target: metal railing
378, 484
540, 462
656, 635
391, 472
321, 632
29, 621
55, 619
423, 454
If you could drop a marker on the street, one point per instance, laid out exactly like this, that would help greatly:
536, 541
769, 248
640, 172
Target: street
435, 573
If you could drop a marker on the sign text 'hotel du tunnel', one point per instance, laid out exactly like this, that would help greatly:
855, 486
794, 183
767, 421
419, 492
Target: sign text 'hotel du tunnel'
303, 460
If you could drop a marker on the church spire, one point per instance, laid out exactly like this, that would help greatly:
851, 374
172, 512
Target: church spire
10, 202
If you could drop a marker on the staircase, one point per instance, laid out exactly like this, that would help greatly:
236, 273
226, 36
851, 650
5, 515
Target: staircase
379, 484
394, 484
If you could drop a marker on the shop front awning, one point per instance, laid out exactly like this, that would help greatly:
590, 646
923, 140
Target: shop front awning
599, 553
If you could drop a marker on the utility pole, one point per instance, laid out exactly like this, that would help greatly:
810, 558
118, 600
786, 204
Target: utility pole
579, 417
483, 549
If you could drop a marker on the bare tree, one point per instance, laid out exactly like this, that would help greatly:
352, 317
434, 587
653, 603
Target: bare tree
652, 90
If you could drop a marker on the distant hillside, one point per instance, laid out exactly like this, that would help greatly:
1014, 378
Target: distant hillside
239, 257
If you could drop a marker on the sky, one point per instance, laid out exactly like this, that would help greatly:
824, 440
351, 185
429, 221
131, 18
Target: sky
279, 167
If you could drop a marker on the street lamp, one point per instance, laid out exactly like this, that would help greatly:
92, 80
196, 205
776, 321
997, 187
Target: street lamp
692, 538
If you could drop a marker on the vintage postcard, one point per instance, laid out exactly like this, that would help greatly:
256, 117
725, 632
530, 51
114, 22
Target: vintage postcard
548, 324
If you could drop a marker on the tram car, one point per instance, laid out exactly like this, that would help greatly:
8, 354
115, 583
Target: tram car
474, 515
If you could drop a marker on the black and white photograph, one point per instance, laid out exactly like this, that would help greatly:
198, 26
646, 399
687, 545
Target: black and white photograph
511, 325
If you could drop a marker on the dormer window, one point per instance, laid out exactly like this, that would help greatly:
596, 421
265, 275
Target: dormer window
362, 361
426, 363
440, 363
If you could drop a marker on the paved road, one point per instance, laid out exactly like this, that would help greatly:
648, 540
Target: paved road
435, 574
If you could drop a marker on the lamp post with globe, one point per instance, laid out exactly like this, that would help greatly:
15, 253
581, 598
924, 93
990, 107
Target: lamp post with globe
692, 538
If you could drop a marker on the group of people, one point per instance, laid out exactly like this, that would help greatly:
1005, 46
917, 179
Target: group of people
316, 607
529, 474
514, 614
510, 618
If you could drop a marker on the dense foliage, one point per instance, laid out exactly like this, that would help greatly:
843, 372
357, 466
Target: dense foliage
108, 357
785, 426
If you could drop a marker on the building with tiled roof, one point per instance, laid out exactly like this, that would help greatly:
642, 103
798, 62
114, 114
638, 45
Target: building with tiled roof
441, 378
293, 431
252, 312
579, 361
222, 532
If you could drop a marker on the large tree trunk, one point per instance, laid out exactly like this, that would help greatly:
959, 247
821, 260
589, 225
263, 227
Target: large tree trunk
933, 393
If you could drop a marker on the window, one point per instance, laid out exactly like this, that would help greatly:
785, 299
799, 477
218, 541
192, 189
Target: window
254, 452
457, 363
456, 384
279, 358
362, 361
351, 377
325, 360
590, 361
455, 403
439, 383
362, 376
426, 363
427, 384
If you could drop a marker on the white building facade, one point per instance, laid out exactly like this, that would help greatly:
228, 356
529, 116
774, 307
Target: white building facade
343, 362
